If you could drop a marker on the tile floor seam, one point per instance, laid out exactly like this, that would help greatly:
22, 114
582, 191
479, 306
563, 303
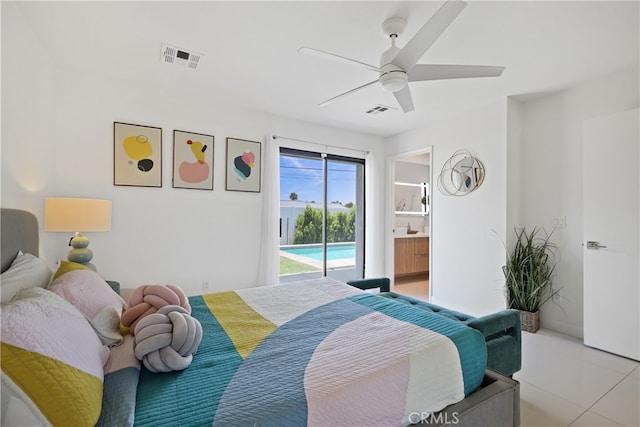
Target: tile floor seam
587, 412
557, 397
604, 365
594, 366
578, 417
613, 423
607, 392
588, 403
604, 395
616, 423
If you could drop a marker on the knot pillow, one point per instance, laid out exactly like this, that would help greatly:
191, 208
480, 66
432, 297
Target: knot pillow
166, 341
148, 299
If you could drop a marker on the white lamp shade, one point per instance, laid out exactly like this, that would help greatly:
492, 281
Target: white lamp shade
76, 215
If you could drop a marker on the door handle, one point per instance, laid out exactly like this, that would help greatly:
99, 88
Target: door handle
594, 245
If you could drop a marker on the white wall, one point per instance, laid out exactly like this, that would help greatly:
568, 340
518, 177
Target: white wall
412, 172
29, 117
466, 232
57, 140
515, 163
551, 177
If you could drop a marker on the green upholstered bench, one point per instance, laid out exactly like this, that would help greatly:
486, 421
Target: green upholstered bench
501, 330
377, 282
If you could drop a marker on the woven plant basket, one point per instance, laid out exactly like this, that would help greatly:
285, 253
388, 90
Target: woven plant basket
530, 322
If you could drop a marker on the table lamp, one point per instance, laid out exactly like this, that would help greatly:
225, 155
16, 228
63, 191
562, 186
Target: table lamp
77, 215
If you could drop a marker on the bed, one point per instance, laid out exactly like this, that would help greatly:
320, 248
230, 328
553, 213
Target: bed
317, 352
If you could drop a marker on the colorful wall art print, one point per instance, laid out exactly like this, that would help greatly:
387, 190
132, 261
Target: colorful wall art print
192, 160
244, 165
137, 154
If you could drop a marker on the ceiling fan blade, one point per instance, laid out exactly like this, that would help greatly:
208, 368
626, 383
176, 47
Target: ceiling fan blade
429, 33
403, 97
349, 92
334, 57
438, 72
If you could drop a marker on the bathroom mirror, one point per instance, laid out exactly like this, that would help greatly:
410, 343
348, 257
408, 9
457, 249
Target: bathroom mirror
411, 198
461, 174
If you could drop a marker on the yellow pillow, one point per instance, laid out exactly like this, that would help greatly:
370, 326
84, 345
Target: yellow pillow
67, 266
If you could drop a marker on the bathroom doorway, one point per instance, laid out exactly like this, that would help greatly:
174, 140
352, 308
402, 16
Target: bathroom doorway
411, 216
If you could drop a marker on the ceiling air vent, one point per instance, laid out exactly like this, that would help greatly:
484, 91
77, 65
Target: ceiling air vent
378, 109
177, 56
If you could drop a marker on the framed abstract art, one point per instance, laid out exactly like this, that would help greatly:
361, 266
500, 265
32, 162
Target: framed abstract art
192, 160
244, 164
137, 155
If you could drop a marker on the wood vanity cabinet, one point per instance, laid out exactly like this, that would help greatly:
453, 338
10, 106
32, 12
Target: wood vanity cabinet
411, 255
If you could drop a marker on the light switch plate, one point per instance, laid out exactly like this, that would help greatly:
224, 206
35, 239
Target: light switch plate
560, 222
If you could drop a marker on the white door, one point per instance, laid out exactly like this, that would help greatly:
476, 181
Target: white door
611, 198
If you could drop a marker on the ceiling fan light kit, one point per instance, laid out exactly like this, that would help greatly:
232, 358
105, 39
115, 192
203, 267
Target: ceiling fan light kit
398, 66
394, 81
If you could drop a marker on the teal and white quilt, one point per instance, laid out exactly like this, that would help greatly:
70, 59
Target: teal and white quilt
317, 353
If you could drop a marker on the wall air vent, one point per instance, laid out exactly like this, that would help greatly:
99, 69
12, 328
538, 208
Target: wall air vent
378, 109
176, 56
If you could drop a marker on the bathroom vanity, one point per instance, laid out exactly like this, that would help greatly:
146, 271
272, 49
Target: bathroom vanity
411, 254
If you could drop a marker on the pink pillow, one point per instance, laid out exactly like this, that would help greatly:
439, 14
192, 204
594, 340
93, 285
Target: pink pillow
87, 291
148, 299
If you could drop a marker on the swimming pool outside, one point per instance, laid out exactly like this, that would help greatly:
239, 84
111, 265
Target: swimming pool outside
334, 251
339, 255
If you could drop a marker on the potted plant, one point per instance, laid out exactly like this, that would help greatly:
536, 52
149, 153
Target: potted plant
528, 273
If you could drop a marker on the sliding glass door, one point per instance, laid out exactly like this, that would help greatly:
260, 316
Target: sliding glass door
321, 216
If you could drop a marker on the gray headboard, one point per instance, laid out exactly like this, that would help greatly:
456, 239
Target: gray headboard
19, 230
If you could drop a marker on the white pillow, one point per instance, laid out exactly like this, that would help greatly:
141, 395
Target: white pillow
26, 271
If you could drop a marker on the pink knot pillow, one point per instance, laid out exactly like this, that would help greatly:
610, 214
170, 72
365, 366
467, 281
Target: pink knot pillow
167, 340
148, 299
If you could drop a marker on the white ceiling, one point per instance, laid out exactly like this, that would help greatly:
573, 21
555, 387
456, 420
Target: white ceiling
251, 59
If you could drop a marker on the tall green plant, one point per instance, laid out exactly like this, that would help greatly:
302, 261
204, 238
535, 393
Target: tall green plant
529, 270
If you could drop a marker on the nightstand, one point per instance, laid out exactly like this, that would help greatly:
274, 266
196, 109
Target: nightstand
114, 285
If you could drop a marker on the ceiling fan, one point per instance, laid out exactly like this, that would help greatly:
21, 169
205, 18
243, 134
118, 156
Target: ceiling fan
398, 66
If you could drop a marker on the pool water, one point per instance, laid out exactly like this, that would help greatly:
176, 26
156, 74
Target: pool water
333, 252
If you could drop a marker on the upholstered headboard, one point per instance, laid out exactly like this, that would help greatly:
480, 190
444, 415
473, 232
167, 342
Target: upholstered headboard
19, 230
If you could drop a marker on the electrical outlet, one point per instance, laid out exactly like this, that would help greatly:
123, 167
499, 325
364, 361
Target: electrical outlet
205, 286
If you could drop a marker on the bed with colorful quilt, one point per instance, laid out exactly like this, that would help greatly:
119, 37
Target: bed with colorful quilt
317, 353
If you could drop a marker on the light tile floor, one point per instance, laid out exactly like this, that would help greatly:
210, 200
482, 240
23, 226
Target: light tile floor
565, 383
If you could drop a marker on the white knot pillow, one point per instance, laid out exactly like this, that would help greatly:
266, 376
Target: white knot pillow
167, 340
